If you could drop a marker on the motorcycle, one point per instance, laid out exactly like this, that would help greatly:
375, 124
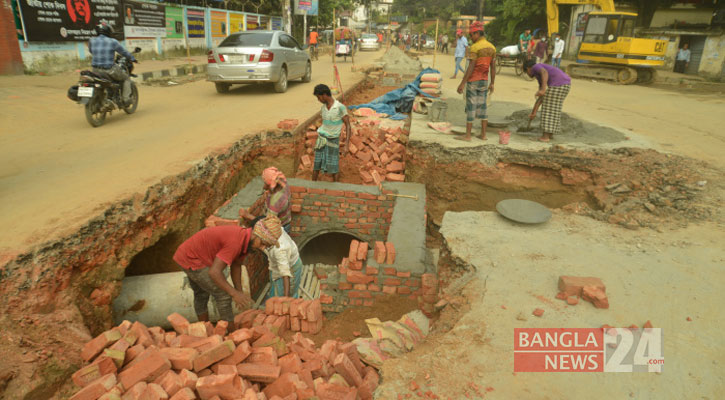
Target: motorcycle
101, 95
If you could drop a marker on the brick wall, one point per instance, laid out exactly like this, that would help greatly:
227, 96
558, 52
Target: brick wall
11, 61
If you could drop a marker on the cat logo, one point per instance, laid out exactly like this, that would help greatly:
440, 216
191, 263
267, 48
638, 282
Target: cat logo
660, 46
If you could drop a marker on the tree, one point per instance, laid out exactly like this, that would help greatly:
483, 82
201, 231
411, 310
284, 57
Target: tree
512, 17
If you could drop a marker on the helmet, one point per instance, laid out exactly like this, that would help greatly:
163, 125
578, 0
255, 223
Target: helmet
103, 28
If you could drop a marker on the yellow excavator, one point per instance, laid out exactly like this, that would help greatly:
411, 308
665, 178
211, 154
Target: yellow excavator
609, 49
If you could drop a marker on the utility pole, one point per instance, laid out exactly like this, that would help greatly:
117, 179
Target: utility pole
480, 10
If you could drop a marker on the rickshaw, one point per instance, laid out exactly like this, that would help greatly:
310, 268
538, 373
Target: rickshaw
344, 41
509, 56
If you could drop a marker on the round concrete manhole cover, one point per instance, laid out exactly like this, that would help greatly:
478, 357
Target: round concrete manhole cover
524, 211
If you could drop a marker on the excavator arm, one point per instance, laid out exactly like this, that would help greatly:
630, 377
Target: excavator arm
552, 10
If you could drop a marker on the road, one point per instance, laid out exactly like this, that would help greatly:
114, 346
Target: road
57, 171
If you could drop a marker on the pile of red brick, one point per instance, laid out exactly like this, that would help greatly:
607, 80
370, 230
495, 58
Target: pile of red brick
377, 152
200, 361
282, 314
384, 254
572, 288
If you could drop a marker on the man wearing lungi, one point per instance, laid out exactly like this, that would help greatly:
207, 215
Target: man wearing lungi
554, 85
327, 147
481, 55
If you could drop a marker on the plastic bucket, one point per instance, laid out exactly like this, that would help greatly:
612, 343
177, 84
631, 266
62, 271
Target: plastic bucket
437, 111
503, 137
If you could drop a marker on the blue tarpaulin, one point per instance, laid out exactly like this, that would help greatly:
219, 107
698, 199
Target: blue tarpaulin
398, 101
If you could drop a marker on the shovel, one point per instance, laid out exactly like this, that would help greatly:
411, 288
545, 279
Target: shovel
536, 107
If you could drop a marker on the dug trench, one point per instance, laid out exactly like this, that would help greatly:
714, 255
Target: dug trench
59, 296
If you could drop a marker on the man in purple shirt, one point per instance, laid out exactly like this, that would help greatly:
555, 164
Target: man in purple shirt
554, 86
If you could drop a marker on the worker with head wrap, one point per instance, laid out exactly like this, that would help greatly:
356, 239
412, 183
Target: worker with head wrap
276, 198
206, 254
285, 264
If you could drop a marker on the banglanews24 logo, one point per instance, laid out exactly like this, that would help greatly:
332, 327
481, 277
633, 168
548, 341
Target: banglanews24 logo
588, 350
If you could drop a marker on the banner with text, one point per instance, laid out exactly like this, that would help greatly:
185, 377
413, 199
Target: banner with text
143, 19
311, 6
195, 22
174, 22
236, 22
218, 24
70, 20
252, 22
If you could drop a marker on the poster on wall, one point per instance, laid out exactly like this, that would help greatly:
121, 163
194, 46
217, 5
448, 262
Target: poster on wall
263, 22
581, 24
143, 19
195, 22
311, 6
218, 24
236, 22
276, 23
252, 22
71, 20
174, 22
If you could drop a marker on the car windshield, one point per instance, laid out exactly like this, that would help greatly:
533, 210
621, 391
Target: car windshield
251, 39
369, 36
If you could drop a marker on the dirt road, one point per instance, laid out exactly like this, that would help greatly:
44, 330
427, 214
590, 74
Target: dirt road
58, 171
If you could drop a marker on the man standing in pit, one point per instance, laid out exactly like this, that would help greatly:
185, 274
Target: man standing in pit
481, 57
206, 254
329, 141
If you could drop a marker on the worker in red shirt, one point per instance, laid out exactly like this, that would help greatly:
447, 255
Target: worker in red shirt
204, 256
380, 37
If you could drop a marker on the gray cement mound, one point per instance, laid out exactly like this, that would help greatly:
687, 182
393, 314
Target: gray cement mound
397, 62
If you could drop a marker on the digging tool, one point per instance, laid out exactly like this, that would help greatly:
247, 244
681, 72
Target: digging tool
404, 195
537, 103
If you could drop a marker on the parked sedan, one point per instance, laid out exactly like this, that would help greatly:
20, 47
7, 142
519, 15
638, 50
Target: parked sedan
369, 41
258, 56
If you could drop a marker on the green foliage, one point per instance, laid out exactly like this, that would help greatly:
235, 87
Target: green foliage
444, 10
512, 17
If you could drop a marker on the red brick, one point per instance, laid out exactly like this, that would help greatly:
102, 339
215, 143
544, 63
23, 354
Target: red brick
206, 343
213, 355
573, 285
259, 319
403, 274
240, 335
395, 166
90, 373
352, 256
358, 277
395, 177
429, 281
389, 253
184, 394
136, 391
390, 289
344, 366
325, 299
296, 208
147, 369
295, 324
344, 286
572, 300
97, 388
337, 193
366, 177
188, 379
298, 189
360, 286
227, 387
290, 363
355, 265
179, 323
264, 373
240, 354
373, 288
371, 271
362, 251
314, 311
262, 355
170, 382
306, 161
596, 295
370, 383
221, 328
392, 282
100, 342
538, 312
376, 177
390, 271
198, 329
180, 358
404, 290
359, 294
414, 283
328, 391
380, 252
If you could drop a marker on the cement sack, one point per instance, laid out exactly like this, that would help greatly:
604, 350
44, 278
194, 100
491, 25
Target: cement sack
432, 92
430, 85
510, 51
431, 78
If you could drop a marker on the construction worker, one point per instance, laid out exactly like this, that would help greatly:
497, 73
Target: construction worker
285, 266
329, 134
205, 255
554, 86
481, 56
277, 198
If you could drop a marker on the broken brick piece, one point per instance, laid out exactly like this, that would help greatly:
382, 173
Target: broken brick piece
596, 296
380, 252
226, 387
362, 251
352, 256
97, 388
146, 369
90, 373
538, 312
213, 355
572, 300
179, 323
180, 358
344, 366
100, 342
389, 253
264, 373
573, 285
306, 161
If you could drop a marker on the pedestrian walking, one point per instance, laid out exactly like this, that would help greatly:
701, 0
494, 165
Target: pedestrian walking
554, 86
682, 60
558, 51
481, 56
277, 198
541, 50
460, 53
329, 141
444, 41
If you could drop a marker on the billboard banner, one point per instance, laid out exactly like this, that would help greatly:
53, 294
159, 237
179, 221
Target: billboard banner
276, 23
218, 24
252, 22
263, 22
311, 6
236, 22
174, 22
143, 19
195, 22
71, 20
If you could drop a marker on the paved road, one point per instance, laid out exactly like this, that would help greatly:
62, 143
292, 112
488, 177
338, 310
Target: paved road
57, 171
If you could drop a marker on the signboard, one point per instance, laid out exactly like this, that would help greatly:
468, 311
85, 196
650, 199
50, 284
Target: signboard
276, 23
70, 20
311, 6
264, 22
195, 22
143, 19
252, 22
236, 22
174, 22
218, 24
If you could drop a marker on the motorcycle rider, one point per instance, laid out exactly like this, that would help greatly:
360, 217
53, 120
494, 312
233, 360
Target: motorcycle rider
103, 48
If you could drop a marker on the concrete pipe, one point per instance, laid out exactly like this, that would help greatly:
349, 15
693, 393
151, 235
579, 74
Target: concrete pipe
149, 299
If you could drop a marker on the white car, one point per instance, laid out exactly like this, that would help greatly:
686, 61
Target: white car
369, 41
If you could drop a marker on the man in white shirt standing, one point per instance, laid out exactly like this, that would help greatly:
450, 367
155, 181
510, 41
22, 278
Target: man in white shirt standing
683, 58
558, 51
285, 266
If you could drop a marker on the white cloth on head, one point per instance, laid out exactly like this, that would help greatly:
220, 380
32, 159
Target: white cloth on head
282, 258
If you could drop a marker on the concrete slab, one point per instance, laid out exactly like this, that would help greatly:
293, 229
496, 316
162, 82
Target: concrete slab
407, 229
662, 277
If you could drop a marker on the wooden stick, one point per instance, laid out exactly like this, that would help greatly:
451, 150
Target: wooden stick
405, 196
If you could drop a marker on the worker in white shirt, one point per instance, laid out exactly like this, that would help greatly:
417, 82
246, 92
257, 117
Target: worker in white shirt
558, 51
285, 266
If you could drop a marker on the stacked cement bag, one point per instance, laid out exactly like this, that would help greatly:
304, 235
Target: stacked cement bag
431, 84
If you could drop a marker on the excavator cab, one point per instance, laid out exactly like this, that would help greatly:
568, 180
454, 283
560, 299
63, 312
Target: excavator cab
606, 28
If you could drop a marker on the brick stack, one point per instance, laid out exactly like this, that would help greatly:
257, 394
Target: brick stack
378, 153
429, 294
283, 314
200, 361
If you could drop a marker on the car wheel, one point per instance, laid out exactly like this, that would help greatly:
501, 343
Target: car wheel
308, 73
281, 85
222, 87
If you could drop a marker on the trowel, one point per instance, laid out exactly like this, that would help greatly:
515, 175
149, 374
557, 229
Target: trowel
537, 103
